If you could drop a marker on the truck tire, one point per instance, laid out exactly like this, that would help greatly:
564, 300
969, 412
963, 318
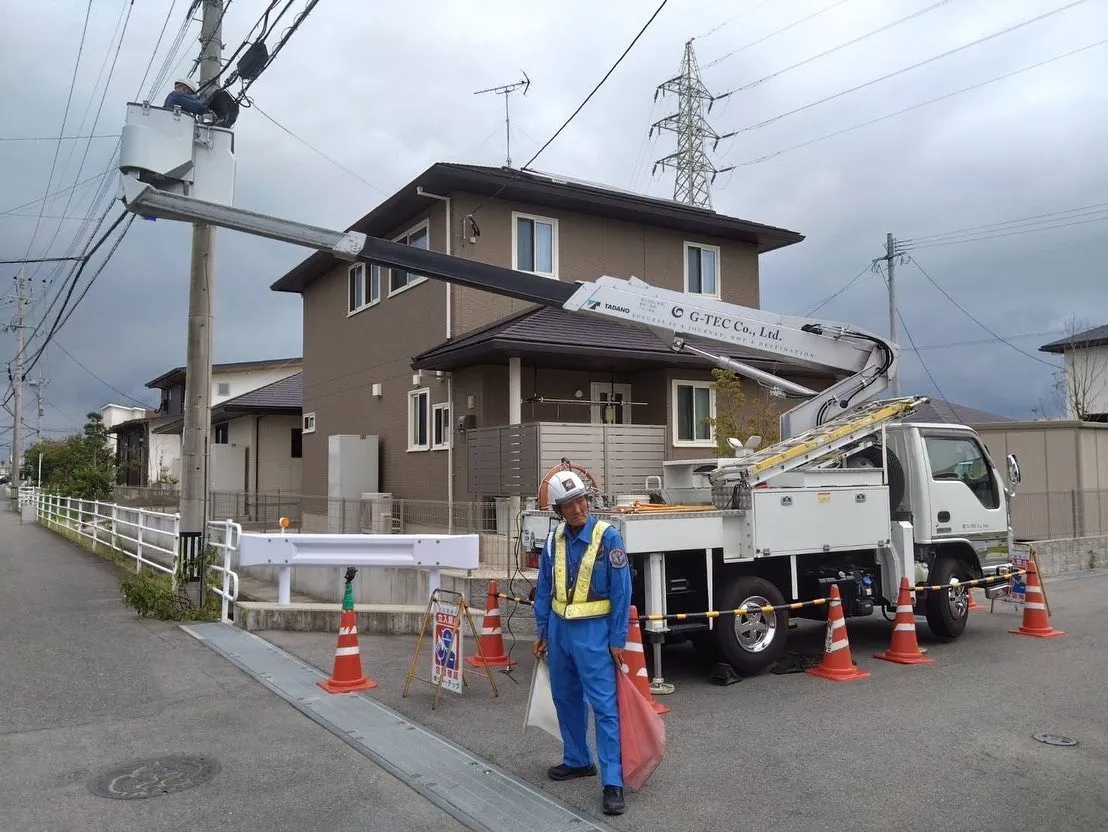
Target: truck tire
871, 457
751, 643
948, 611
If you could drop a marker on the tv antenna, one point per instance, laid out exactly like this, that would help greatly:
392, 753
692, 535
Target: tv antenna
506, 90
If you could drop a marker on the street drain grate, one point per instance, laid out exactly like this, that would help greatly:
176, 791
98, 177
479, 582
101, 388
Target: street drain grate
151, 778
1055, 739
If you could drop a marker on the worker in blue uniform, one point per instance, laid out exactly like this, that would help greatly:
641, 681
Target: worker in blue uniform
582, 613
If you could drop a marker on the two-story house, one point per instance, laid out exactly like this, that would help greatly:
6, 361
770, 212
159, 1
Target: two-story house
430, 368
1085, 375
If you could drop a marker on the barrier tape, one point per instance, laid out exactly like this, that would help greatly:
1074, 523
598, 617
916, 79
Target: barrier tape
815, 602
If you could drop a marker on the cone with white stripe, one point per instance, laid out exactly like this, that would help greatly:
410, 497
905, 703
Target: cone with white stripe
347, 675
491, 653
1035, 620
636, 663
904, 648
837, 664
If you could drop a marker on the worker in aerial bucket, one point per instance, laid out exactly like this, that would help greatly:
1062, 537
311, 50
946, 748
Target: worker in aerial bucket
582, 612
184, 96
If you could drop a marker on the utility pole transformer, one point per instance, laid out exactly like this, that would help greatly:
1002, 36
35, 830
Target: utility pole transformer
695, 171
195, 433
890, 265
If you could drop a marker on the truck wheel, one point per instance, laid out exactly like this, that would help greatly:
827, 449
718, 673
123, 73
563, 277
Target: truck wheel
751, 642
871, 458
947, 612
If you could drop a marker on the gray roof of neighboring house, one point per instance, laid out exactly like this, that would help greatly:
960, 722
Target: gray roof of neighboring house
177, 374
284, 396
553, 337
940, 410
548, 190
1095, 337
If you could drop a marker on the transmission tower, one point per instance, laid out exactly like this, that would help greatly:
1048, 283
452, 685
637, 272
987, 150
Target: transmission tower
695, 171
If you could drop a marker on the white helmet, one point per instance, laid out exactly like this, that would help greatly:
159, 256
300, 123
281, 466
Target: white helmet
189, 84
565, 486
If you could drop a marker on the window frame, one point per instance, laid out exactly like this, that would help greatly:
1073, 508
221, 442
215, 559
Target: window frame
224, 429
307, 422
296, 443
424, 224
366, 279
219, 385
446, 427
413, 395
719, 267
535, 218
676, 439
996, 495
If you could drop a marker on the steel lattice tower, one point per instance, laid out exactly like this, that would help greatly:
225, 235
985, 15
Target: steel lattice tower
695, 171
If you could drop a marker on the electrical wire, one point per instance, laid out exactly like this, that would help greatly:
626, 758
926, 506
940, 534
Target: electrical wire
825, 137
926, 369
868, 269
280, 45
774, 34
1038, 222
111, 387
472, 214
969, 315
830, 51
731, 20
901, 71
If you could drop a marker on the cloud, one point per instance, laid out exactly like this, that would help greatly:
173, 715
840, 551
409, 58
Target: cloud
388, 88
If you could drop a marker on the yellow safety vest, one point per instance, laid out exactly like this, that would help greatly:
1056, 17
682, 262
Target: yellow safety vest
569, 608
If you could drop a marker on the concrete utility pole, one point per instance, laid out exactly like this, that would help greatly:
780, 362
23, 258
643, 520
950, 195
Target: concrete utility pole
17, 381
890, 263
198, 357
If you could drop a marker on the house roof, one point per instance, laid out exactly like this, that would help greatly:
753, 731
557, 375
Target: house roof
1095, 337
152, 418
553, 337
177, 374
942, 411
281, 397
547, 190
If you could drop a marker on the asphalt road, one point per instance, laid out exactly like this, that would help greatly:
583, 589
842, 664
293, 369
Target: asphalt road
947, 746
85, 685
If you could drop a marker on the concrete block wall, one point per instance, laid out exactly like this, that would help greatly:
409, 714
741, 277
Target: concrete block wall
1071, 554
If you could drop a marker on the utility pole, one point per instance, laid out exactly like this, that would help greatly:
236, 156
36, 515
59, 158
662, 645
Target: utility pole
695, 171
17, 382
38, 384
198, 356
890, 265
506, 90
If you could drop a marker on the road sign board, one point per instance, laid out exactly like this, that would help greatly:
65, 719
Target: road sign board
446, 661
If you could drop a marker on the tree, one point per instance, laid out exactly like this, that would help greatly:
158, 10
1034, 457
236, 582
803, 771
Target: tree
736, 417
1081, 382
81, 465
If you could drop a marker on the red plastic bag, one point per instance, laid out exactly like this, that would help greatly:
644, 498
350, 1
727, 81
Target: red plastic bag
642, 734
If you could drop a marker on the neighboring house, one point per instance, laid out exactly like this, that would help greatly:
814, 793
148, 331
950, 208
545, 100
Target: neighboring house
1085, 380
940, 411
429, 368
148, 451
256, 439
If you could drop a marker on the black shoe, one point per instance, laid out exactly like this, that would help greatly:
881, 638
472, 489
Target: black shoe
564, 772
613, 800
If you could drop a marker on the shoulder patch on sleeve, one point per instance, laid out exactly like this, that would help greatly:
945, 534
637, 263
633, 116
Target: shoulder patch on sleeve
617, 557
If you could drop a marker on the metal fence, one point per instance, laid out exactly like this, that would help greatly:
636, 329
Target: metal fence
1049, 515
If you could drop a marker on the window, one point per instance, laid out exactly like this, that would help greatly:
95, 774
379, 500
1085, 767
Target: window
400, 280
419, 411
694, 404
308, 423
960, 459
223, 388
221, 434
440, 426
362, 292
702, 269
535, 245
296, 447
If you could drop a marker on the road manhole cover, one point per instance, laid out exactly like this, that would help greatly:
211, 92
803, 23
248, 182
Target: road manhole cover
1055, 739
151, 778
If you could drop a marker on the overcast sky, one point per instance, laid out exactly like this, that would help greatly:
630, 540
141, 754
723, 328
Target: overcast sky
386, 88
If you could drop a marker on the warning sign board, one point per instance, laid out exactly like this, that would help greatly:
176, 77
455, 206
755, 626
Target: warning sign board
446, 667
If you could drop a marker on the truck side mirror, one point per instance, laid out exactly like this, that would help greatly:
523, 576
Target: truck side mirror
1014, 476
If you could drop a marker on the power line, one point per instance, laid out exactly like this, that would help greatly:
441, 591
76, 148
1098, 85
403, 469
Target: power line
926, 369
887, 116
1007, 225
57, 138
832, 50
868, 269
982, 341
731, 20
50, 196
774, 34
1018, 232
111, 387
901, 71
580, 107
969, 315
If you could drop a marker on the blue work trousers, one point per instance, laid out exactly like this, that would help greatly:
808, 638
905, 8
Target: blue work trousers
583, 673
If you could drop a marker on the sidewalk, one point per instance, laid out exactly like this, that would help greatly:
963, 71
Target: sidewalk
86, 686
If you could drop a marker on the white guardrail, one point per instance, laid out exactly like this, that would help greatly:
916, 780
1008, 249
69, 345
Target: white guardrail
150, 538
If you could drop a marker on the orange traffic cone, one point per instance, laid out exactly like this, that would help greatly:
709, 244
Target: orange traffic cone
1035, 620
973, 605
636, 663
492, 639
837, 664
347, 675
904, 648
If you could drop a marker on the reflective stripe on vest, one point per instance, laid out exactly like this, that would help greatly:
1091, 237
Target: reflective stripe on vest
582, 608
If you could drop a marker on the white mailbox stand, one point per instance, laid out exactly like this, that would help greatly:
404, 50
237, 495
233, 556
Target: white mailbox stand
432, 552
